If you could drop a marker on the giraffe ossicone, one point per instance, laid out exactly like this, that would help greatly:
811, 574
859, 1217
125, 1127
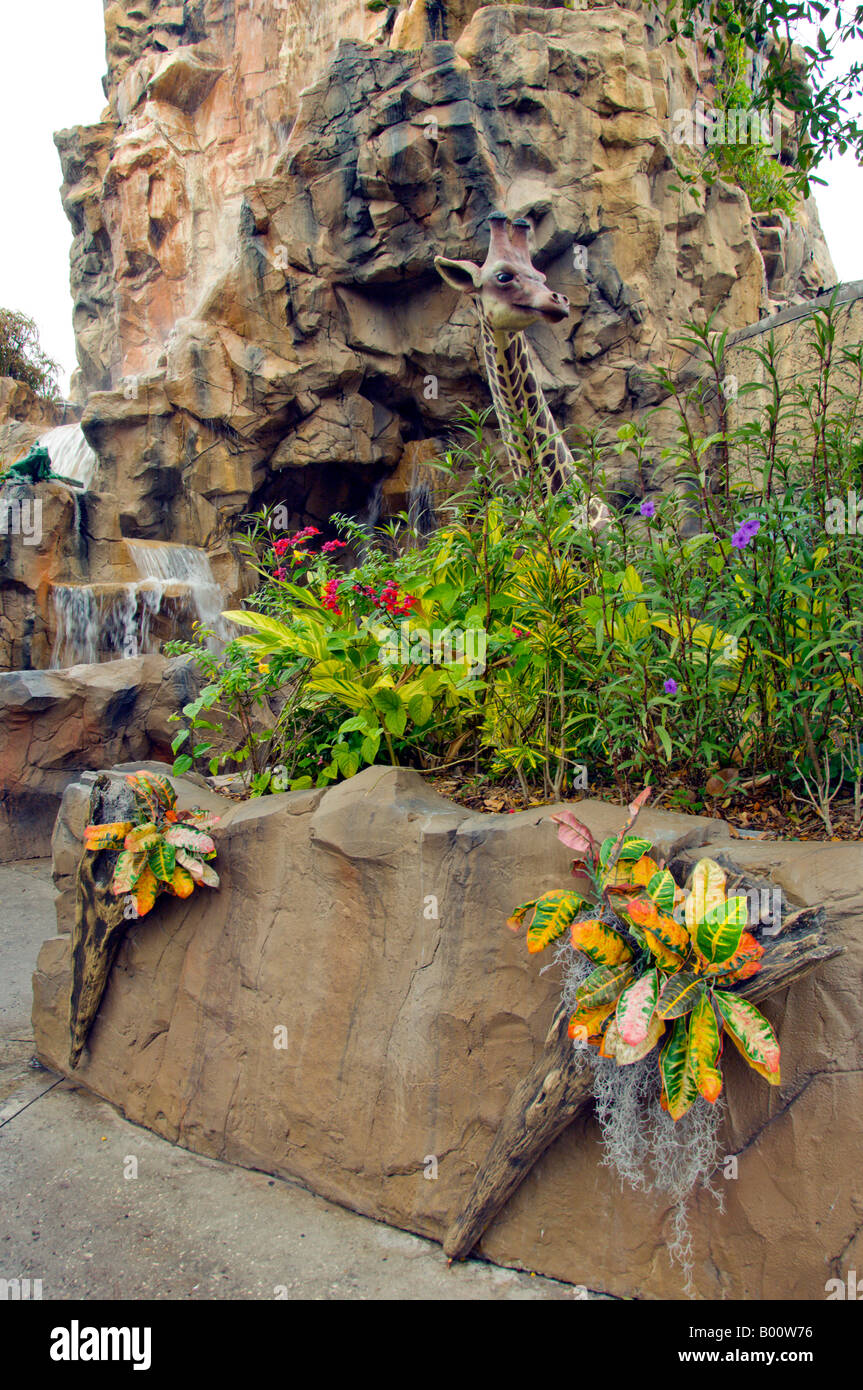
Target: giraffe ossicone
510, 295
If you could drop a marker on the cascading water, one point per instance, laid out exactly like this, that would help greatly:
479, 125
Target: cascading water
71, 455
96, 624
103, 622
162, 565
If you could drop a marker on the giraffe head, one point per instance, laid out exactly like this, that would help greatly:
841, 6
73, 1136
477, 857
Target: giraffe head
514, 294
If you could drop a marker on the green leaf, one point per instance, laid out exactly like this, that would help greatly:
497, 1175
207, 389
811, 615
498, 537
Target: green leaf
603, 985
162, 860
182, 764
660, 890
678, 1083
679, 994
420, 708
396, 721
633, 848
370, 747
550, 915
717, 935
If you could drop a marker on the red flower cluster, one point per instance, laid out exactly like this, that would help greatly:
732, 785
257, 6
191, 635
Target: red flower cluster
331, 597
287, 542
388, 598
280, 573
332, 546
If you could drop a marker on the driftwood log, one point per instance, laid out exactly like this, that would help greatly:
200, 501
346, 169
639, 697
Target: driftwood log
559, 1086
100, 924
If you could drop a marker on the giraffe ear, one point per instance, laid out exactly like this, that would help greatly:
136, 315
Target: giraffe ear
461, 275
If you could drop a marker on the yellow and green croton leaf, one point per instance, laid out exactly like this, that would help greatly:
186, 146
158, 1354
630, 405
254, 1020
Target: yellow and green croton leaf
717, 935
127, 871
548, 917
635, 1008
751, 1034
143, 837
632, 848
705, 1045
707, 890
679, 1087
182, 884
623, 877
586, 1023
603, 986
111, 836
745, 963
153, 793
662, 891
679, 994
146, 891
601, 944
162, 860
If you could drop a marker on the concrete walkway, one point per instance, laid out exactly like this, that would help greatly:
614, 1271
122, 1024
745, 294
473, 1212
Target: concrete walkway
97, 1208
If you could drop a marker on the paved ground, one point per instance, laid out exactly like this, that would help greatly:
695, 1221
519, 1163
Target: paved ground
73, 1213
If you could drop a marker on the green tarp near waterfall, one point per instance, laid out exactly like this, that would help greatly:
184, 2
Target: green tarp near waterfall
35, 467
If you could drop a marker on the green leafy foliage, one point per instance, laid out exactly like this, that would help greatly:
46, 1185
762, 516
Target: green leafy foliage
21, 355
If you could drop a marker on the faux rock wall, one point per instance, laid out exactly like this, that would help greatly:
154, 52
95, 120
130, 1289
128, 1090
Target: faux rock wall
256, 218
368, 921
56, 724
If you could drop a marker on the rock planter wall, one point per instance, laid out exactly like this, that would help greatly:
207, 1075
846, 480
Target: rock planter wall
55, 724
407, 1032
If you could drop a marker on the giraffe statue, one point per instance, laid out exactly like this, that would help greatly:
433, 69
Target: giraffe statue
511, 294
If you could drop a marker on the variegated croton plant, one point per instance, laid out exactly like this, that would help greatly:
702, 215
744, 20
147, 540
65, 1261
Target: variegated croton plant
664, 961
163, 850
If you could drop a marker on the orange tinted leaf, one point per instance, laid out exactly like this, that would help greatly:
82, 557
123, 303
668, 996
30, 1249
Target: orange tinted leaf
600, 943
146, 891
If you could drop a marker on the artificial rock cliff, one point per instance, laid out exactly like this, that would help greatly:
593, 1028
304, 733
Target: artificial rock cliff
257, 313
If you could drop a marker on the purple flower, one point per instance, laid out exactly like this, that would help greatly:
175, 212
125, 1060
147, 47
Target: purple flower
670, 686
648, 509
747, 532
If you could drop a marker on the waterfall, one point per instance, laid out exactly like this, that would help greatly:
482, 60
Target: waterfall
103, 622
71, 455
164, 566
95, 624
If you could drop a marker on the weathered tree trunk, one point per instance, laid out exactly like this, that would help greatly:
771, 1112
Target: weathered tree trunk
100, 924
559, 1086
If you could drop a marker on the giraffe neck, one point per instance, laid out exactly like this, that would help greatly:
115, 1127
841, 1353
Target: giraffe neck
526, 423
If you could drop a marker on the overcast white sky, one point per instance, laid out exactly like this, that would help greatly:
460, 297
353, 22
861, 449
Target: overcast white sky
51, 63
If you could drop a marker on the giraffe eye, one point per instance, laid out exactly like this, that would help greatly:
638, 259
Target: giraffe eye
504, 278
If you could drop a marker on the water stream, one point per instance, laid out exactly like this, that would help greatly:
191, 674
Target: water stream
104, 622
71, 455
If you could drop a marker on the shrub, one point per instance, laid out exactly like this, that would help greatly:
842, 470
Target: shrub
22, 358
